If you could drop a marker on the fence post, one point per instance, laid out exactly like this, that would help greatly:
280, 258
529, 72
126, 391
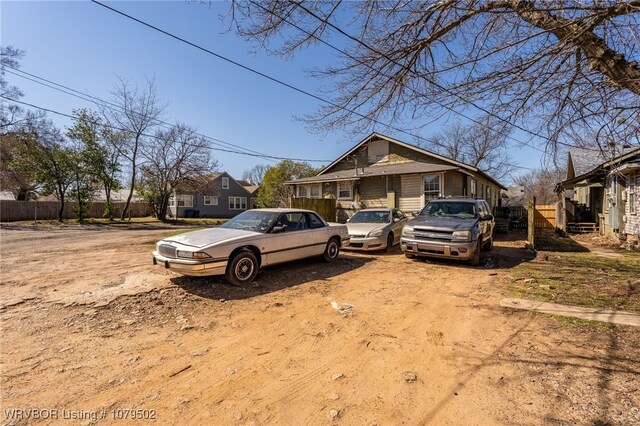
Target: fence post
531, 225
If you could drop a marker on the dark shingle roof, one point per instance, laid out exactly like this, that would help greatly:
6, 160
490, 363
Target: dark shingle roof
586, 160
386, 170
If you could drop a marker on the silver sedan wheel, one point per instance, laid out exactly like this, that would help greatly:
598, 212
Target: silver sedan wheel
332, 249
244, 269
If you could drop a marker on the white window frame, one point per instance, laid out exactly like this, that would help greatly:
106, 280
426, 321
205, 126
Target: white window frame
426, 199
211, 200
183, 198
319, 187
349, 186
233, 201
474, 188
300, 193
172, 201
304, 191
225, 182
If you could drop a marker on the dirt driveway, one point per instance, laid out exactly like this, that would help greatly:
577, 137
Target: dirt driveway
91, 329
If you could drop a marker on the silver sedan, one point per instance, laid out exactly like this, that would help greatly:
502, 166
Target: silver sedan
249, 241
375, 229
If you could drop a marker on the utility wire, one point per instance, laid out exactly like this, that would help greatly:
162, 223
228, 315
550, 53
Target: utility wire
98, 101
75, 117
432, 81
261, 74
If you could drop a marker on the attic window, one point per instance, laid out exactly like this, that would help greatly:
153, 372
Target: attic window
225, 183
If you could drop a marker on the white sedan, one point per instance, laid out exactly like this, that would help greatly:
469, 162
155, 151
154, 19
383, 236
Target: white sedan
250, 241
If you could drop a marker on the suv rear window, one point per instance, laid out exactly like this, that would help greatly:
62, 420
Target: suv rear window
459, 209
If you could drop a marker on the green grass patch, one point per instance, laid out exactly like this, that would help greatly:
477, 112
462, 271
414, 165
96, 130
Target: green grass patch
580, 279
548, 240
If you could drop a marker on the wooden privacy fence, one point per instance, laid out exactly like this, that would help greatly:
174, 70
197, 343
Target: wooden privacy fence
325, 207
12, 210
545, 216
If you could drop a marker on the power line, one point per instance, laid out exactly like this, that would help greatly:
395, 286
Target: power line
435, 83
273, 79
98, 101
261, 74
263, 156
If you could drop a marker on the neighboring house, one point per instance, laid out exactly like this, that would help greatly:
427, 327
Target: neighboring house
514, 196
605, 192
7, 196
119, 196
251, 189
384, 172
220, 197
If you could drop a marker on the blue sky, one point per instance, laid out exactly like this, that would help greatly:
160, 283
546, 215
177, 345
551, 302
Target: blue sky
86, 47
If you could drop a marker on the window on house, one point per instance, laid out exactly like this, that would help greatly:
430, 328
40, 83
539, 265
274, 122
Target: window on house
185, 200
237, 203
225, 183
303, 191
172, 201
310, 191
345, 191
210, 200
474, 188
633, 193
315, 191
431, 187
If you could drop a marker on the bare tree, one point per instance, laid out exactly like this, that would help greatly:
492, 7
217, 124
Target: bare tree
255, 174
10, 114
175, 157
547, 67
541, 184
138, 115
475, 144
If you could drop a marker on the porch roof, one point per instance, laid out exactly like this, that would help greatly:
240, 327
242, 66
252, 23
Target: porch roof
409, 167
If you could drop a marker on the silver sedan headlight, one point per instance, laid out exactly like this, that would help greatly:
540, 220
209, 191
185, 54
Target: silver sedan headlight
376, 233
192, 254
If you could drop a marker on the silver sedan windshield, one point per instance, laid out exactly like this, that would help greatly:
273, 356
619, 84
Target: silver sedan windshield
381, 216
255, 221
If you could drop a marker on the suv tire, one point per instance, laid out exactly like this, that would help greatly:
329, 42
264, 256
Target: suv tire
475, 260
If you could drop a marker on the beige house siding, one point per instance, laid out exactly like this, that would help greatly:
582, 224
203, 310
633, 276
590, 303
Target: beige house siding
410, 193
453, 184
632, 206
401, 153
373, 192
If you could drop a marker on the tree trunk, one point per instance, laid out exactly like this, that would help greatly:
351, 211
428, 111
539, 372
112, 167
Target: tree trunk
615, 66
107, 195
61, 211
133, 181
